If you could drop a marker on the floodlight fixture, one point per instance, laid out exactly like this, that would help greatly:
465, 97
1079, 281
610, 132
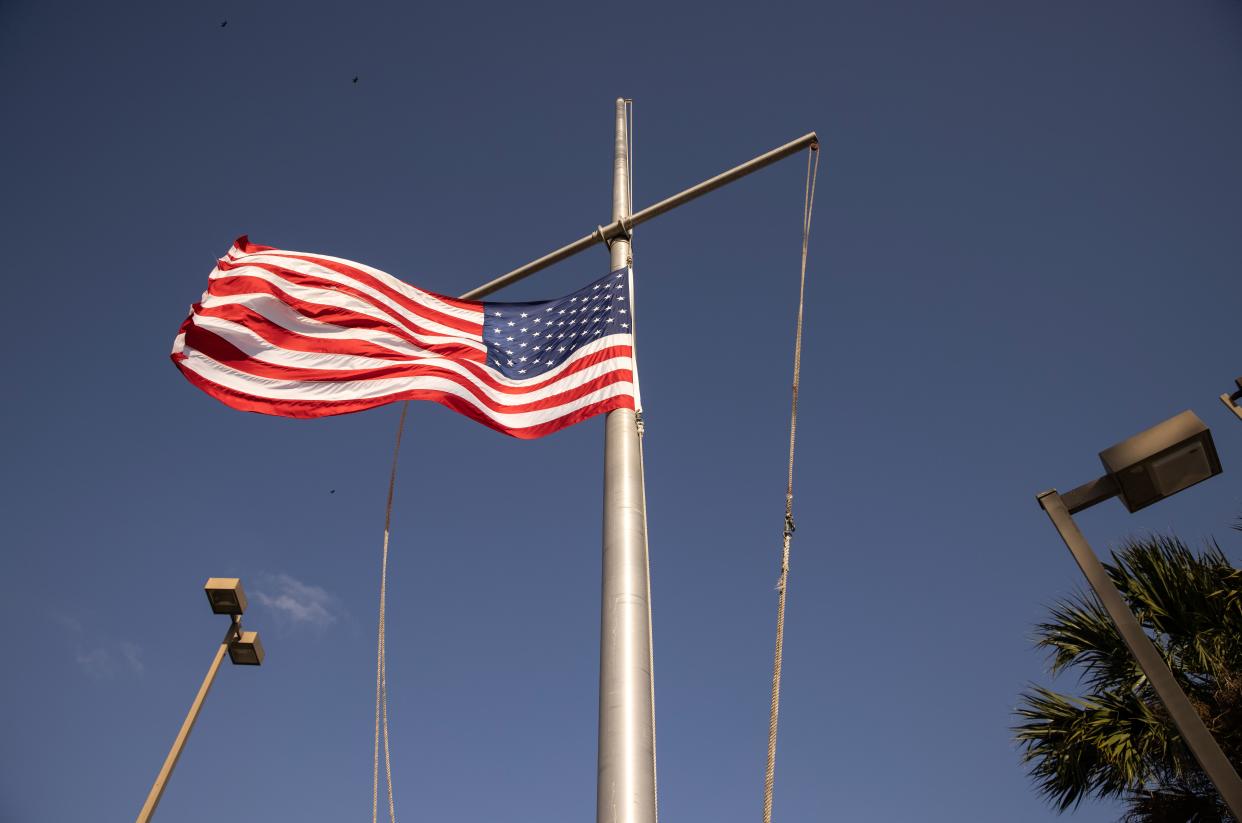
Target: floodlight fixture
1152, 465
1231, 400
226, 595
246, 650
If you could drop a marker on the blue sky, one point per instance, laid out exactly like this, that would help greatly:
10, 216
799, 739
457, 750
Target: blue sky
1025, 249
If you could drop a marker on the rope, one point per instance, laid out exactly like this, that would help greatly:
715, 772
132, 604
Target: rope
629, 160
642, 473
381, 656
655, 785
774, 711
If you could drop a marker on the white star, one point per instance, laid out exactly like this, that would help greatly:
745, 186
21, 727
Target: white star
620, 311
573, 300
562, 311
511, 323
497, 314
510, 362
609, 320
523, 331
536, 334
523, 345
523, 314
510, 339
549, 308
497, 330
562, 348
521, 371
523, 359
625, 325
536, 320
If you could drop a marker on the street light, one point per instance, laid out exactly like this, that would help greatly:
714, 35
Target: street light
226, 596
1231, 400
1145, 469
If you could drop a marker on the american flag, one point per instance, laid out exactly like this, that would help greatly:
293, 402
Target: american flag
305, 335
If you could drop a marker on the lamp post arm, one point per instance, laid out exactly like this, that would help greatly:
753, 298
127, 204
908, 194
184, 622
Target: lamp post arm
1088, 494
1189, 724
620, 228
1231, 400
174, 754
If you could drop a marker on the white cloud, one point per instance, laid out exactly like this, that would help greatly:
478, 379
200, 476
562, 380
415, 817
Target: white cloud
296, 601
67, 622
105, 663
99, 657
97, 663
132, 653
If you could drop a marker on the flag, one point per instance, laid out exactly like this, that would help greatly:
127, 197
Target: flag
305, 335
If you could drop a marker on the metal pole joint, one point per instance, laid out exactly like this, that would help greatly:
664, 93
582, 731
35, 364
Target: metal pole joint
614, 231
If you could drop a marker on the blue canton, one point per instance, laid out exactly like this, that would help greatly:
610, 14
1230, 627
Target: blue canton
525, 340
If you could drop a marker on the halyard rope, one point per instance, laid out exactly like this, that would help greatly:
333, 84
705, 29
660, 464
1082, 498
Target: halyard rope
642, 473
770, 774
381, 657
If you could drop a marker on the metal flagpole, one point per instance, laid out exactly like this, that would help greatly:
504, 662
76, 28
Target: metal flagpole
626, 788
625, 791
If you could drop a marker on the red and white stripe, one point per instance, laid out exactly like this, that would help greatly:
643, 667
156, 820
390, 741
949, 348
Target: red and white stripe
305, 335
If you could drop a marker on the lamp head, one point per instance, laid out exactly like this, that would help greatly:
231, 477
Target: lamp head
225, 595
1161, 461
246, 650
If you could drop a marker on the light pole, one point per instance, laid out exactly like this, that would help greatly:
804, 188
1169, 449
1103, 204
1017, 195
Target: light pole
1145, 469
226, 597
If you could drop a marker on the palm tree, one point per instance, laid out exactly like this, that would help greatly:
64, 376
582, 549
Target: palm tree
1116, 740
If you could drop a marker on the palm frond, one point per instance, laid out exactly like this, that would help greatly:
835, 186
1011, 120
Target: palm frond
1117, 740
1100, 745
1080, 634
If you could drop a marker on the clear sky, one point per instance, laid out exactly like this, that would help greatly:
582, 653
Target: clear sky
1025, 249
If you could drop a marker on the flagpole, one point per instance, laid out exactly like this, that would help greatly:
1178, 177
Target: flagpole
625, 791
